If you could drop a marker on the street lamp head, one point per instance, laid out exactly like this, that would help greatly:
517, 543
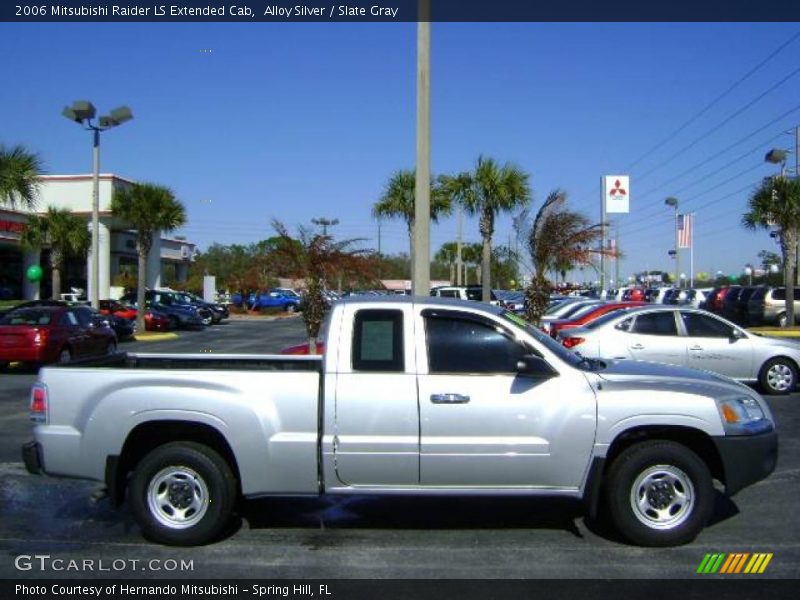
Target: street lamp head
671, 202
70, 114
118, 116
84, 110
775, 156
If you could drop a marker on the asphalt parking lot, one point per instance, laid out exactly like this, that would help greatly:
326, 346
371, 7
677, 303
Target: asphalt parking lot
369, 537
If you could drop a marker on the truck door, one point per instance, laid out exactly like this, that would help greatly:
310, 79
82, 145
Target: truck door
484, 425
376, 438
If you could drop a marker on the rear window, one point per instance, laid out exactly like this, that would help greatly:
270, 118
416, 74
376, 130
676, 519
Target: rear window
660, 323
779, 294
27, 316
602, 320
759, 294
378, 341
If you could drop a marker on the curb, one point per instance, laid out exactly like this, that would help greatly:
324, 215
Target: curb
775, 332
154, 337
264, 318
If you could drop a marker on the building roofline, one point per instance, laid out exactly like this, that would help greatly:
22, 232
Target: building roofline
88, 177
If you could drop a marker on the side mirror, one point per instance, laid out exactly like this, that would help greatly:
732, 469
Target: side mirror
736, 335
536, 367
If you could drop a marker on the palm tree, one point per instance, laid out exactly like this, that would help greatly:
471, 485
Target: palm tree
149, 209
66, 235
776, 203
491, 189
20, 171
397, 201
558, 237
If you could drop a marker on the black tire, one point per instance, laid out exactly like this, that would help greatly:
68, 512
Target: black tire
290, 308
195, 470
664, 476
111, 348
783, 320
778, 376
64, 356
174, 323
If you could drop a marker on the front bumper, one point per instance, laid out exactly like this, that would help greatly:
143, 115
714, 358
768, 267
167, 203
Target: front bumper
747, 459
32, 457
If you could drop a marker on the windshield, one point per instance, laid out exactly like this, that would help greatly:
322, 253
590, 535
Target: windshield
572, 359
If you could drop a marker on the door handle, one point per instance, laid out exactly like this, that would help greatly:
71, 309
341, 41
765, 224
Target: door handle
637, 347
449, 399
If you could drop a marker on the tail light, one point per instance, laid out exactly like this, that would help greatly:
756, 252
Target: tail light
39, 403
571, 342
40, 337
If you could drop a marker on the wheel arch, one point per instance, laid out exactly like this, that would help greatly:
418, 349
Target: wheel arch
695, 440
149, 435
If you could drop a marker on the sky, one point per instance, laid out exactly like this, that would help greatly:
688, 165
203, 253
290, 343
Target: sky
292, 121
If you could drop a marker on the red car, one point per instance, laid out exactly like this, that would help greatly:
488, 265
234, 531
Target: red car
153, 321
633, 295
113, 307
53, 334
302, 349
590, 315
156, 321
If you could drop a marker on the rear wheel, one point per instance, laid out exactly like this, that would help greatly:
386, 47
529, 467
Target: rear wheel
290, 308
173, 322
659, 493
778, 376
182, 494
64, 356
111, 348
783, 320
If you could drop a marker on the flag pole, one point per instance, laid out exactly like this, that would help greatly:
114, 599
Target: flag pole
691, 252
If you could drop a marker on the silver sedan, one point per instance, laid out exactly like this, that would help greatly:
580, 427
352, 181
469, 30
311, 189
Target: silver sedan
691, 338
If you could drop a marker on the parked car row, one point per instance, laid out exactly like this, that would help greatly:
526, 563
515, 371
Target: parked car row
177, 309
752, 305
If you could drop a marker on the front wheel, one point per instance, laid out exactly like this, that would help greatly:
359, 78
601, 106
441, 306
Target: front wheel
778, 376
182, 494
659, 493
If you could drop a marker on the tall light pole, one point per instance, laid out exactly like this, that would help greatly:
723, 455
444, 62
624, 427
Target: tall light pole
420, 270
673, 202
325, 223
82, 112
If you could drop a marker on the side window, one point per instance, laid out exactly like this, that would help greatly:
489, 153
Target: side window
698, 325
449, 294
378, 341
463, 345
84, 317
474, 294
69, 319
660, 323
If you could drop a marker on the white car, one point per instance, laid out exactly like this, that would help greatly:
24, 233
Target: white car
692, 338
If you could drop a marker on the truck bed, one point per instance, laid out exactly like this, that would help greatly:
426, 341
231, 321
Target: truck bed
235, 362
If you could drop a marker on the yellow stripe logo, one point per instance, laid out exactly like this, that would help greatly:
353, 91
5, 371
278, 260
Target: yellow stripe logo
734, 563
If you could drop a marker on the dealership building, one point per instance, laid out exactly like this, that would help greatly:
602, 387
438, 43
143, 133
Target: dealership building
169, 257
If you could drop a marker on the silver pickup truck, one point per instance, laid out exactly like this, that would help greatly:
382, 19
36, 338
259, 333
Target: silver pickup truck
413, 396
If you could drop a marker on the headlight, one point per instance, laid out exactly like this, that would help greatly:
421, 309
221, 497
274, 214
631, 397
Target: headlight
743, 416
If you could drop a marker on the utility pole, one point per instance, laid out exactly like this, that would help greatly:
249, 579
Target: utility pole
325, 223
379, 236
421, 267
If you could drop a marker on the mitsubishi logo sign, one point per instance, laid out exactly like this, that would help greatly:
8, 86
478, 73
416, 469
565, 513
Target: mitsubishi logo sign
616, 193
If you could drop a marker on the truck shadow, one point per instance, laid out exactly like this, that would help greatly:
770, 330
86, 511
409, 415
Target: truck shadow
437, 513
426, 512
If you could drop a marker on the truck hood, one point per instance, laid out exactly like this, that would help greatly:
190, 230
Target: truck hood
638, 374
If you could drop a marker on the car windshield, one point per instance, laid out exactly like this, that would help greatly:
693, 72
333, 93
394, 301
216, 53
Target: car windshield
27, 316
572, 359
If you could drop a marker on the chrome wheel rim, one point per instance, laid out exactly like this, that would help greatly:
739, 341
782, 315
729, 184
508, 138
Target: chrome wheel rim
662, 497
780, 377
177, 497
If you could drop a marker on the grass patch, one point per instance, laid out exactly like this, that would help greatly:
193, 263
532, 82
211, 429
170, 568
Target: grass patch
9, 303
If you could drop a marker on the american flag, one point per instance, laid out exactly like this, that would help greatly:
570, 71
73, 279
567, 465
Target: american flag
685, 230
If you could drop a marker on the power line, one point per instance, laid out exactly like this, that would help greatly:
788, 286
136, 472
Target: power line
711, 104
